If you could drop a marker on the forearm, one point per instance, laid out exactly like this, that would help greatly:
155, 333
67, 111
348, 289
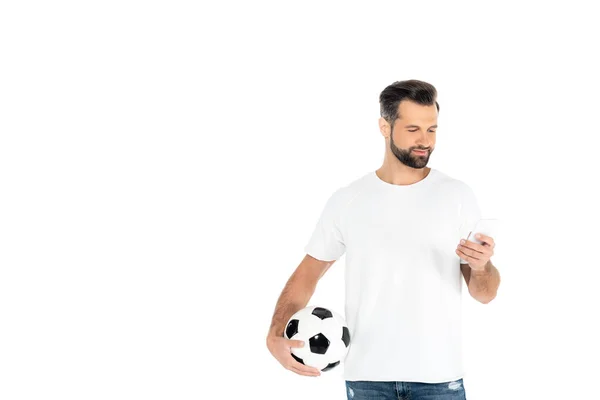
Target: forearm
295, 296
483, 285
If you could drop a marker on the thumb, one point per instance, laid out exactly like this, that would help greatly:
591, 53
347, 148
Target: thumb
296, 343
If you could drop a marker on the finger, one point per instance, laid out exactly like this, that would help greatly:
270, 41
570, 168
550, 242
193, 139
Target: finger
486, 239
295, 343
306, 369
462, 255
467, 257
294, 363
477, 250
474, 246
471, 252
488, 246
301, 372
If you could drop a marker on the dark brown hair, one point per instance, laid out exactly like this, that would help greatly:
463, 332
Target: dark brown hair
418, 91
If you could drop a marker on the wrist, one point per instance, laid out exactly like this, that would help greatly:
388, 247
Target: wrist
275, 332
482, 272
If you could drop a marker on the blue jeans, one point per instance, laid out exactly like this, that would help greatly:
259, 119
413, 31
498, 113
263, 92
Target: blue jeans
363, 390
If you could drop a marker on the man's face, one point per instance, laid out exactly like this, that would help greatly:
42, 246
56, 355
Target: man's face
414, 130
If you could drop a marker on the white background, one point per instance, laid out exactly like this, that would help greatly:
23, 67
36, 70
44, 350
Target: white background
162, 165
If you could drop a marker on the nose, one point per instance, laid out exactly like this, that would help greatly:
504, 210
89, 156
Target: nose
424, 142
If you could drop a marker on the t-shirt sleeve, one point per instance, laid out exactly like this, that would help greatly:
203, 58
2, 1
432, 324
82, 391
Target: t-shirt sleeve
326, 242
470, 213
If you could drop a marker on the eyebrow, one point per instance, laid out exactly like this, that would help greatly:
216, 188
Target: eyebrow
416, 126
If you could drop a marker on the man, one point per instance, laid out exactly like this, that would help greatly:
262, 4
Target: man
400, 228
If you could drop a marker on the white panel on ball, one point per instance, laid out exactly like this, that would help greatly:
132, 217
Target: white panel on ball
325, 335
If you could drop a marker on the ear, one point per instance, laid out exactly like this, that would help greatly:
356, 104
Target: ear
384, 127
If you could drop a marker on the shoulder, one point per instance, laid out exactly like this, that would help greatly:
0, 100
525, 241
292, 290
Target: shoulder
458, 186
344, 195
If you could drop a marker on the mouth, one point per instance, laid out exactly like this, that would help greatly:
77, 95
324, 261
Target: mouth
420, 152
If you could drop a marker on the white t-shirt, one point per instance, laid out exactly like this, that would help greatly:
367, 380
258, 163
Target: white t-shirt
403, 280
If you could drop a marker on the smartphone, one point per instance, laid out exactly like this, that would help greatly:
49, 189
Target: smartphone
485, 226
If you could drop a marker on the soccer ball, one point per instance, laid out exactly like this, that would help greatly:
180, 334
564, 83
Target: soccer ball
325, 335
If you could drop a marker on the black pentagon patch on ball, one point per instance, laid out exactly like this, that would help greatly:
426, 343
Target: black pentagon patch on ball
292, 328
346, 336
330, 366
322, 313
298, 359
319, 343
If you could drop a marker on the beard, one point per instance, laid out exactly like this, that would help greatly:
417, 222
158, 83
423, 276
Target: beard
408, 158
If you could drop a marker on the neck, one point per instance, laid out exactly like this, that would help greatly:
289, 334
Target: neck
397, 173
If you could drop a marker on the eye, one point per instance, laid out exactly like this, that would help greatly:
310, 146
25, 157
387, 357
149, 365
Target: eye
412, 130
